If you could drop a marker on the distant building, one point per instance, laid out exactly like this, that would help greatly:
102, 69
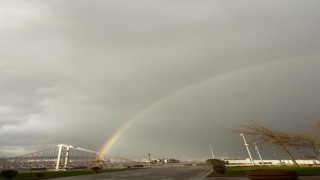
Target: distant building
171, 161
160, 160
246, 162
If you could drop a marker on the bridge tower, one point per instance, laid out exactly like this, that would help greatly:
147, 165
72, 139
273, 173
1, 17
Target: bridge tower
64, 154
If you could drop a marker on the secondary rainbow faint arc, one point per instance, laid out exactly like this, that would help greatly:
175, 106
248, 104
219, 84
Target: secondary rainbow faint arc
108, 144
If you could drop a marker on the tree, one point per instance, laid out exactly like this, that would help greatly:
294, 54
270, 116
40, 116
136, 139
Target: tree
315, 128
305, 141
315, 125
262, 135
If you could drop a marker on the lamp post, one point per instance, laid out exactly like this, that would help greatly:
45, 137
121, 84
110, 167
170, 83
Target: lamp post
245, 143
149, 160
255, 145
210, 150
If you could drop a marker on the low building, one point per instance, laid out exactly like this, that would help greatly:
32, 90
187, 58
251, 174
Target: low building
246, 162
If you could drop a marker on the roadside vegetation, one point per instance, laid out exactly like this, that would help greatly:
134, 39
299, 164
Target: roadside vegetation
33, 175
286, 141
241, 171
218, 165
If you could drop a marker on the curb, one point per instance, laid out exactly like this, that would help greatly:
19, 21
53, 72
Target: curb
209, 172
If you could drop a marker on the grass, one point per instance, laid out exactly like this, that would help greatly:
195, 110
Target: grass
241, 171
32, 175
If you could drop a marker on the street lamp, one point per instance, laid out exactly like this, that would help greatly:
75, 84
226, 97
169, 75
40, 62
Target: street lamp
149, 160
210, 150
245, 143
255, 145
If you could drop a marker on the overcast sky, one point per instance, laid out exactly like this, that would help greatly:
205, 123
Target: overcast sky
74, 72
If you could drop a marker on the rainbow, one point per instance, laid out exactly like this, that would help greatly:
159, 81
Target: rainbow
109, 142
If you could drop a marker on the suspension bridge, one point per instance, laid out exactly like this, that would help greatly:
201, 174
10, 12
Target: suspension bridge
64, 157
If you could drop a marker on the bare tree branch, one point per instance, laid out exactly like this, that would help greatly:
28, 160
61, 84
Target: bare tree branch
305, 141
262, 135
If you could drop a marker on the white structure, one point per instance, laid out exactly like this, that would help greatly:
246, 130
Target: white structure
65, 149
211, 151
246, 145
210, 146
247, 162
255, 145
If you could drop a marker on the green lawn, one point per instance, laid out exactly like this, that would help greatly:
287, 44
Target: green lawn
54, 174
241, 171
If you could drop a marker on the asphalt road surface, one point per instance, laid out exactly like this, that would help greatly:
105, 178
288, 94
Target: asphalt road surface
164, 173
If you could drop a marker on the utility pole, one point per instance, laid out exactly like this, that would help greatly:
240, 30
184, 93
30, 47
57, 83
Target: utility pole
149, 160
245, 143
255, 145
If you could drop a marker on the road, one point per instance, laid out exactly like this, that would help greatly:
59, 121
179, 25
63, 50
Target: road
163, 173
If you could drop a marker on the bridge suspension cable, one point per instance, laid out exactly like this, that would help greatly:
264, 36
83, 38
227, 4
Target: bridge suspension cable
63, 157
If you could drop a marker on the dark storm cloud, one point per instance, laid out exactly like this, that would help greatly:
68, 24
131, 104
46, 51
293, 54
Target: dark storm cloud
75, 71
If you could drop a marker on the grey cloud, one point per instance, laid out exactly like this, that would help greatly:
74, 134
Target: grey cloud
83, 69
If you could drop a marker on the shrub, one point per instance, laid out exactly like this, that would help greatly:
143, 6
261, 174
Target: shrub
96, 169
40, 174
218, 165
9, 174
